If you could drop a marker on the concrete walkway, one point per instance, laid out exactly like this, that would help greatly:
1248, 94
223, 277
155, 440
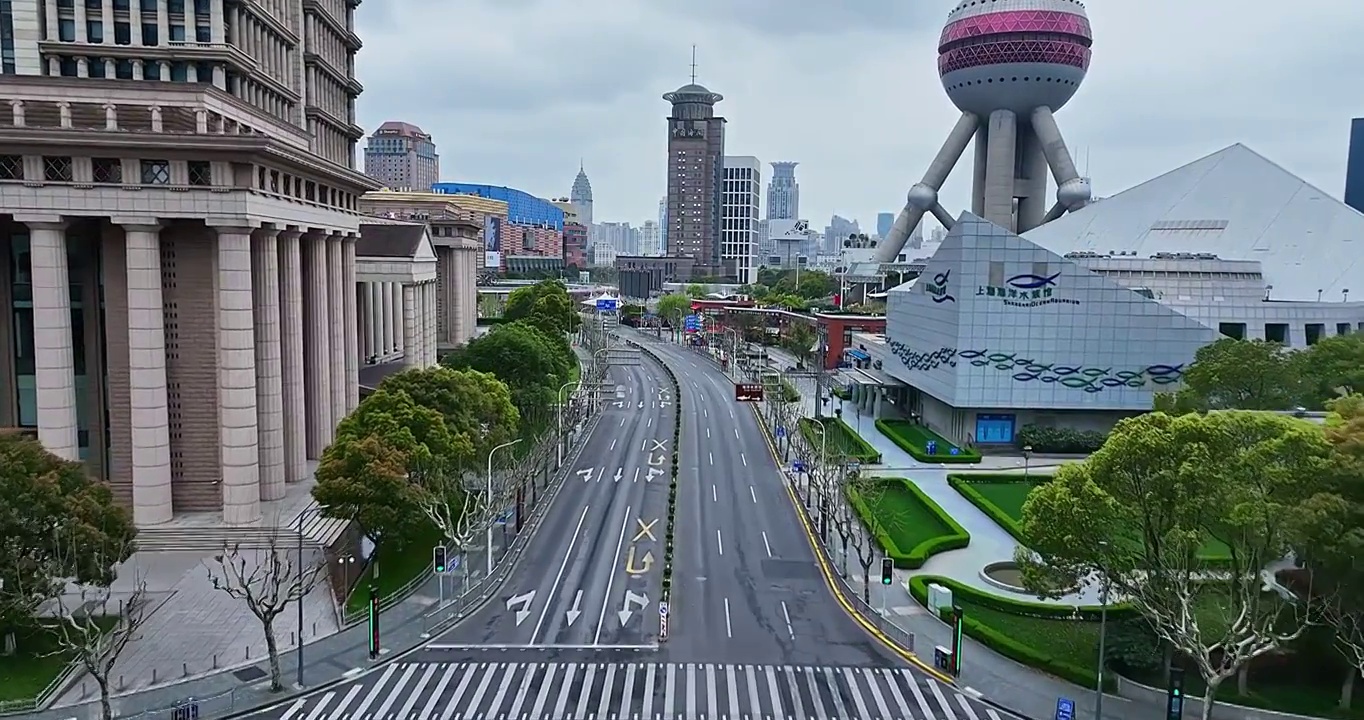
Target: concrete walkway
989, 542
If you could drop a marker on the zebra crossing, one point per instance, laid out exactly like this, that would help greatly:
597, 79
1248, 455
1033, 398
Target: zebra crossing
638, 691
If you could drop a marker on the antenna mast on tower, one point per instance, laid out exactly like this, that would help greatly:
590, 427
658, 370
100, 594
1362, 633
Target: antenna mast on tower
693, 64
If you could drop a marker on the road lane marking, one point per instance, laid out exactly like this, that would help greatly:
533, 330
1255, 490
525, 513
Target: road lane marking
650, 423
636, 479
744, 458
554, 588
704, 412
707, 432
622, 422
714, 497
766, 544
729, 630
711, 455
646, 529
610, 579
613, 443
753, 494
787, 614
736, 429
719, 542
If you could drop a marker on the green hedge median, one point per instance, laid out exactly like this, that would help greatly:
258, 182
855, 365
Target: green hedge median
842, 440
906, 523
914, 439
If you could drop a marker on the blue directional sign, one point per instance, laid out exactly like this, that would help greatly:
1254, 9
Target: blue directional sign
692, 323
1065, 709
781, 432
606, 303
798, 466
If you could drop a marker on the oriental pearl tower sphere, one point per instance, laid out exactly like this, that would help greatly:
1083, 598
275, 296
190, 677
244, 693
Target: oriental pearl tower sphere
1008, 65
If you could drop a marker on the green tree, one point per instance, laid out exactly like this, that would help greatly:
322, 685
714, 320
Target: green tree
55, 522
1237, 374
673, 307
1148, 513
800, 340
532, 364
545, 304
807, 284
1332, 365
696, 290
388, 427
1336, 556
477, 407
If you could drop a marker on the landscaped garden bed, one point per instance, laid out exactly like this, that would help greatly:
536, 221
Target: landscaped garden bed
839, 440
1001, 496
914, 439
907, 524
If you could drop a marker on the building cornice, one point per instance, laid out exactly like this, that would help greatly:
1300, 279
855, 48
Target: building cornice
348, 37
351, 130
183, 50
258, 11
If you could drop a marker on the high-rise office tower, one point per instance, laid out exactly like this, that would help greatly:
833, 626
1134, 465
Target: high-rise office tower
1354, 166
650, 240
401, 156
663, 225
581, 197
741, 203
884, 221
696, 152
783, 192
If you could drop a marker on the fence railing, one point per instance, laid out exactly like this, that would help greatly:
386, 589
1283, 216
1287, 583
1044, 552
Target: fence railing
44, 696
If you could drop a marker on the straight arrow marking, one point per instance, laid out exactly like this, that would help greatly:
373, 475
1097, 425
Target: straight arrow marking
575, 612
637, 601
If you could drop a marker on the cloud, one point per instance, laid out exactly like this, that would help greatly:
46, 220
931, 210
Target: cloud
517, 91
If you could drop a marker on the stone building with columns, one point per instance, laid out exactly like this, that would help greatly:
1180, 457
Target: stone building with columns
398, 295
178, 258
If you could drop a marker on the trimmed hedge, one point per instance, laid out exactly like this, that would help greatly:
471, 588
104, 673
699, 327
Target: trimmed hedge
1005, 642
963, 484
1060, 440
913, 439
955, 536
842, 439
669, 532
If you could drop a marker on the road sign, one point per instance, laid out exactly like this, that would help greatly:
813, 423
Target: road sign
781, 432
692, 323
748, 392
606, 303
798, 466
1065, 709
663, 609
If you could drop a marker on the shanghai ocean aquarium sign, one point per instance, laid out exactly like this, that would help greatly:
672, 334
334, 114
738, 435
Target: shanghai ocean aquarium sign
938, 290
1027, 291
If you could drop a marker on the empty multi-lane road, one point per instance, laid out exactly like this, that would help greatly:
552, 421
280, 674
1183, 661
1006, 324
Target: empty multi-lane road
639, 691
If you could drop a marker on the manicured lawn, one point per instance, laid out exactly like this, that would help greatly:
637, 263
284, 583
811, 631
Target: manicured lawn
907, 524
396, 569
914, 438
32, 668
1001, 496
842, 440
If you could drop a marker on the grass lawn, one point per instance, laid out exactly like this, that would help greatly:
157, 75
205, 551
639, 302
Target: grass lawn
396, 569
842, 440
1002, 497
907, 524
914, 438
31, 669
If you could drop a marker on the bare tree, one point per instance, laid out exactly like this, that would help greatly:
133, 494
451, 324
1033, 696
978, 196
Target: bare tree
1348, 625
82, 631
267, 580
461, 507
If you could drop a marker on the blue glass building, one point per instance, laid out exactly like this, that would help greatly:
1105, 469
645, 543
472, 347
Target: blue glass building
522, 207
1354, 166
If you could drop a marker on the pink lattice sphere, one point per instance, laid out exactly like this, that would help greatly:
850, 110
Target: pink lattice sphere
1014, 54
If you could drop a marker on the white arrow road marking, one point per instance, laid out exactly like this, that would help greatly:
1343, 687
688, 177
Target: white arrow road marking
641, 403
653, 473
620, 473
586, 474
637, 601
657, 459
575, 612
522, 603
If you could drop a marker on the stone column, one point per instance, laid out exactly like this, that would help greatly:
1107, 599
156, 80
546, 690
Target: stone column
55, 377
336, 309
432, 330
399, 328
291, 357
149, 424
376, 321
411, 352
352, 328
317, 345
237, 424
265, 297
364, 312
386, 313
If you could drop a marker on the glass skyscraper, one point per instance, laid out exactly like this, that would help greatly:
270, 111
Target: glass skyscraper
1354, 166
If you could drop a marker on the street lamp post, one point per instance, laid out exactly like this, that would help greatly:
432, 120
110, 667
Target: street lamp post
1027, 459
489, 499
559, 445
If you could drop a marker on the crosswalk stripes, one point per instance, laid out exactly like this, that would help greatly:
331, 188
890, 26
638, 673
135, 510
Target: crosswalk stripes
638, 691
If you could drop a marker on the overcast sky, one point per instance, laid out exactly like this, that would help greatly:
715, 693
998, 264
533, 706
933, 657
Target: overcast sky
516, 91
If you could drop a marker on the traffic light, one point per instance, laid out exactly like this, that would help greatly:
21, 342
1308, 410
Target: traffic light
887, 571
1174, 707
438, 559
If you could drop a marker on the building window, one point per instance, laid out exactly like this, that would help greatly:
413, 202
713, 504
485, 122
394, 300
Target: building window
204, 71
200, 173
11, 167
107, 170
94, 30
176, 6
56, 168
148, 6
66, 30
155, 172
1314, 332
69, 67
123, 33
95, 66
1276, 332
123, 69
994, 429
122, 5
1233, 330
151, 69
177, 33
179, 72
201, 7
150, 33
203, 33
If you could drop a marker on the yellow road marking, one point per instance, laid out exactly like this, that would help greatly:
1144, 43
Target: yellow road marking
646, 562
829, 576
